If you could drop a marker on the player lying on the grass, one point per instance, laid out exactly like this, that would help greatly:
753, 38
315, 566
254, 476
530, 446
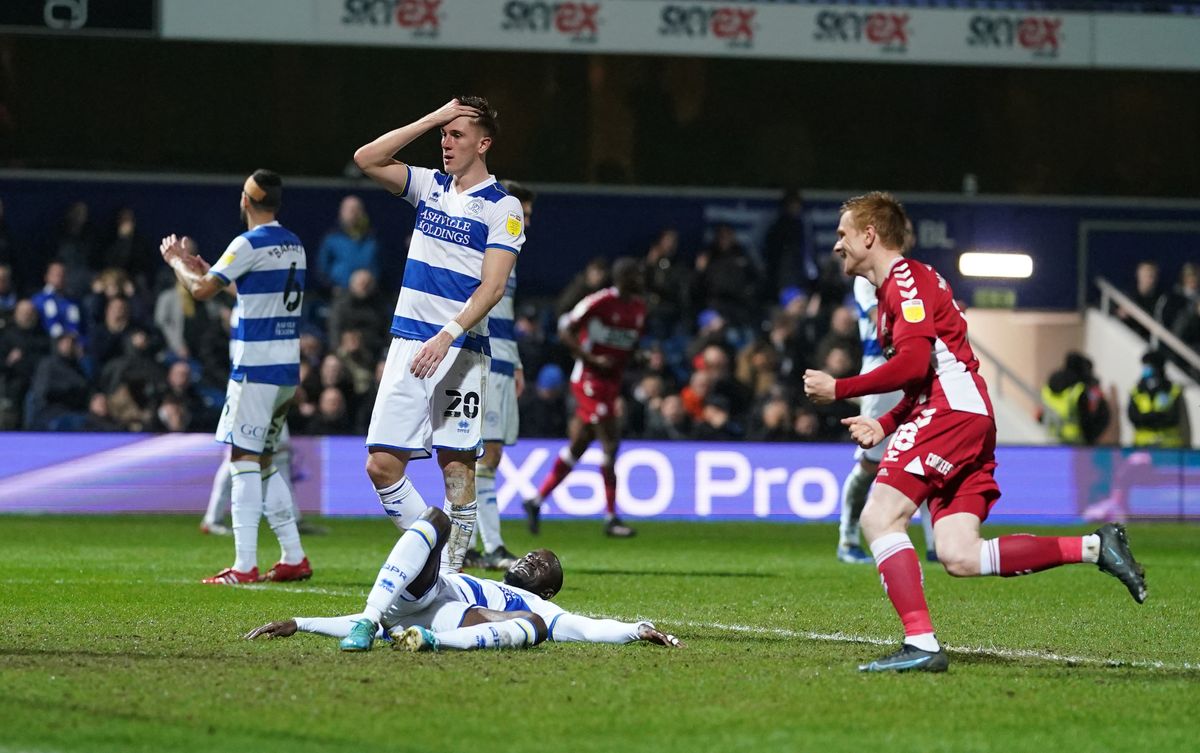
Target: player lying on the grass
424, 610
943, 440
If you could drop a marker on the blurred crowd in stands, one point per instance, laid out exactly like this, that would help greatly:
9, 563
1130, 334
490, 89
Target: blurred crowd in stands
105, 340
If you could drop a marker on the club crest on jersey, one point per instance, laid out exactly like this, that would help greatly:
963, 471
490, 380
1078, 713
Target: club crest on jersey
474, 206
914, 310
513, 226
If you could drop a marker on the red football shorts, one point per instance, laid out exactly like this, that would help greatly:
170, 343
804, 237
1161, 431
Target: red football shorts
946, 458
595, 400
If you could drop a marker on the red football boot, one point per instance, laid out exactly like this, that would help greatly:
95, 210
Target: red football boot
281, 572
231, 577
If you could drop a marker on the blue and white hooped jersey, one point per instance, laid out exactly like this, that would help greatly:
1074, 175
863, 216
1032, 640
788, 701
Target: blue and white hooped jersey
445, 258
866, 301
500, 597
268, 265
501, 333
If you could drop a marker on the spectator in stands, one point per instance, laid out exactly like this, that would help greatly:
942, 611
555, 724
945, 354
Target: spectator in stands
110, 284
1156, 407
1181, 301
58, 312
773, 422
1074, 409
842, 334
726, 279
182, 320
172, 416
1147, 296
670, 421
531, 339
333, 374
785, 248
213, 346
23, 344
839, 363
716, 423
75, 247
696, 393
8, 295
646, 396
357, 360
330, 417
107, 341
665, 282
312, 349
60, 388
127, 412
594, 277
758, 369
137, 371
131, 252
349, 247
543, 409
98, 417
806, 425
1187, 325
361, 307
182, 388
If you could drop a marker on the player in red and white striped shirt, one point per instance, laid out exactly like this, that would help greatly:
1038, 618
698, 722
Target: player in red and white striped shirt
943, 447
602, 332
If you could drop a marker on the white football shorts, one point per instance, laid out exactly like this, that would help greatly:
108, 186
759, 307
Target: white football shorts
444, 411
255, 415
439, 609
501, 419
876, 406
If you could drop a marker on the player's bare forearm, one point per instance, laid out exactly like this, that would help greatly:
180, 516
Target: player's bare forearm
497, 266
377, 158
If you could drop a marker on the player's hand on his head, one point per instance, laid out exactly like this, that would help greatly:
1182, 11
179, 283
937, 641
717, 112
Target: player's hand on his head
651, 634
819, 387
430, 355
451, 110
278, 629
864, 430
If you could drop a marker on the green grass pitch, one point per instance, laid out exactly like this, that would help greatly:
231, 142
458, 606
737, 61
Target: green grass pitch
109, 643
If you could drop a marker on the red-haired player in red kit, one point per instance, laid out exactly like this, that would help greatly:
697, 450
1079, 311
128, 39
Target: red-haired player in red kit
602, 332
945, 437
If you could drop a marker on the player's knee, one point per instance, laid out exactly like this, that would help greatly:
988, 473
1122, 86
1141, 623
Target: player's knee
380, 471
959, 561
439, 520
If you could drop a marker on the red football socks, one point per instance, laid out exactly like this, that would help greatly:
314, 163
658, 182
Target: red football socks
1023, 553
902, 581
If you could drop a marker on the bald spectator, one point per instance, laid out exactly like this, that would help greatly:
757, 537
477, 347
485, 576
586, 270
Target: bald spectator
349, 247
331, 416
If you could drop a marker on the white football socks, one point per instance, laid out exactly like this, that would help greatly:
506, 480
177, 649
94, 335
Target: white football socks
854, 498
279, 509
405, 562
488, 525
402, 502
247, 496
507, 634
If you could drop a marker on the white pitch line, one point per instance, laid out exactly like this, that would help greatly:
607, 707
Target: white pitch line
993, 651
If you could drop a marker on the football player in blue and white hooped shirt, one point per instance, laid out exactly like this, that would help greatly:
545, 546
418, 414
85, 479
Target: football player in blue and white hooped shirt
858, 481
465, 242
265, 266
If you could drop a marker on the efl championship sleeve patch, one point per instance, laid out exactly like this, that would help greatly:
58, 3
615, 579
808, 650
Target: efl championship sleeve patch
513, 226
914, 311
226, 259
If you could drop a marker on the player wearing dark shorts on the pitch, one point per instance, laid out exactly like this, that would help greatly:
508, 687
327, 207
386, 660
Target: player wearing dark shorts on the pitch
942, 449
602, 332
